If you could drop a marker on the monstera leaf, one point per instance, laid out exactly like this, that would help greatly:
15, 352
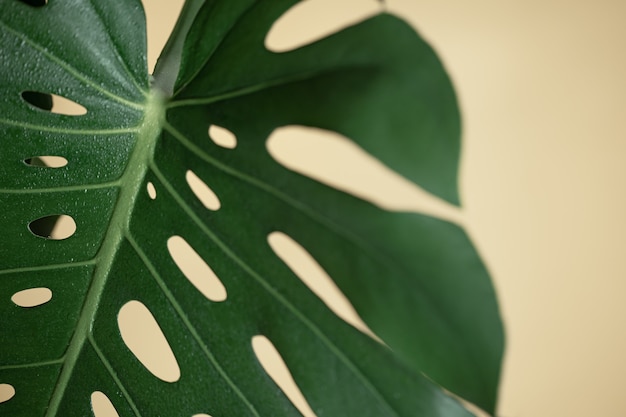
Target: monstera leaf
415, 280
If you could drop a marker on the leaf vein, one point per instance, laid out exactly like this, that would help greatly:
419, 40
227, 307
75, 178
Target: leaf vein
245, 90
70, 188
113, 374
68, 131
205, 349
118, 55
32, 365
70, 69
47, 267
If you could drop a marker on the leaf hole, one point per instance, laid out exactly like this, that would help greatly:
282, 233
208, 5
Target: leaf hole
151, 191
53, 227
300, 261
143, 336
196, 269
336, 161
6, 392
32, 297
312, 20
102, 406
274, 365
48, 161
205, 194
42, 101
56, 104
201, 415
222, 137
35, 3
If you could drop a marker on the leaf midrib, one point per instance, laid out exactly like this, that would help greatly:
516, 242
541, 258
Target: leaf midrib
130, 185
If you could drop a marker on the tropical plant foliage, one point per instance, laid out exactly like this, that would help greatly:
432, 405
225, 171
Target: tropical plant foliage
415, 280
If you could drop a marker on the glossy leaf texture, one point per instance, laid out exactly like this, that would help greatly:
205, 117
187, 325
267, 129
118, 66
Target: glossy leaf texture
415, 280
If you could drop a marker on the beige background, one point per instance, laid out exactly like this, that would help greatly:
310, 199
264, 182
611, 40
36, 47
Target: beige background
542, 91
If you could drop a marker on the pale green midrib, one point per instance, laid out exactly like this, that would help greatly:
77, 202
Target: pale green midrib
130, 186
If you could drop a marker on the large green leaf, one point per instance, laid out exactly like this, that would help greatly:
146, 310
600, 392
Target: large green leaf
415, 280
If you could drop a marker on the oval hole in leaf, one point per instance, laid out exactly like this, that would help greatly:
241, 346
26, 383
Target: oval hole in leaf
196, 269
54, 227
35, 3
48, 161
32, 297
205, 194
42, 101
313, 276
102, 406
222, 137
312, 20
275, 367
6, 392
151, 191
145, 339
336, 161
60, 105
201, 415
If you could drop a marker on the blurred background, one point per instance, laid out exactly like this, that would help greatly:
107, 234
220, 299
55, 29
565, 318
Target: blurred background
542, 88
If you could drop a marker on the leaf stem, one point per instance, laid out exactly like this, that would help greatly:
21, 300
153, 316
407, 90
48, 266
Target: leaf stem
168, 64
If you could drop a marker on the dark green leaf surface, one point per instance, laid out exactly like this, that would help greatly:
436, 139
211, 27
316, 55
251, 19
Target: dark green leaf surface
417, 281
